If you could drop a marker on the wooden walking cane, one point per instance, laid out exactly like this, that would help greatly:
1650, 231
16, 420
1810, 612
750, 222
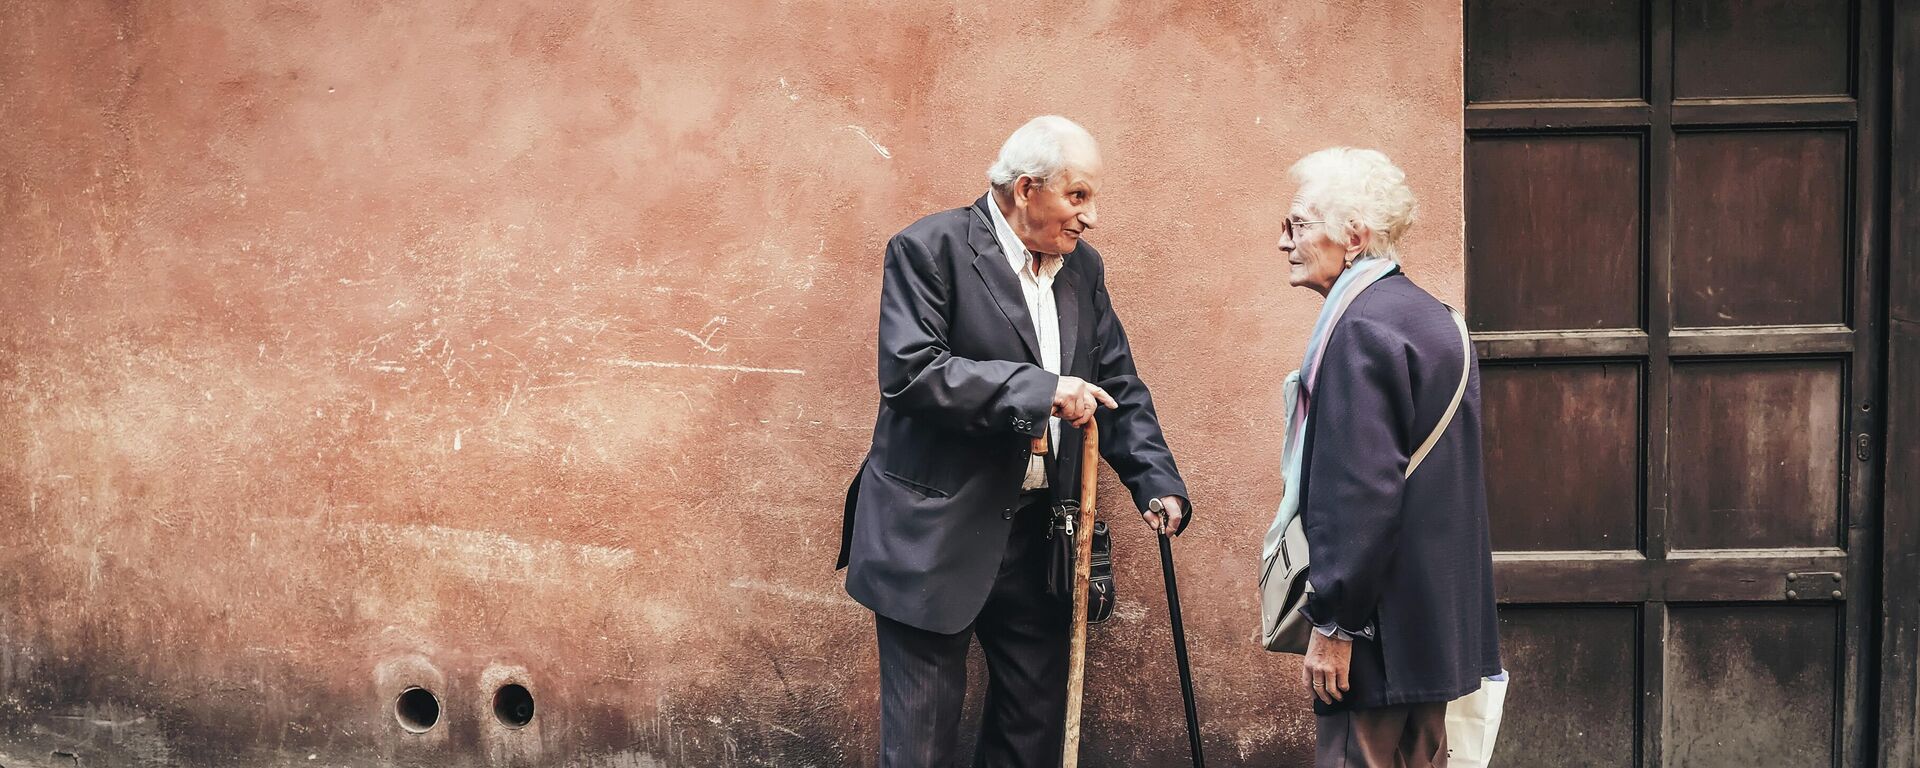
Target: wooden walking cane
1082, 561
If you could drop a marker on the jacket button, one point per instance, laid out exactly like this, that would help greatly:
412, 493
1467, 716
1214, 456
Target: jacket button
1006, 514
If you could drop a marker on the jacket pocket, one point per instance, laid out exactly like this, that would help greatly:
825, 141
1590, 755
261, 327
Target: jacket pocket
916, 486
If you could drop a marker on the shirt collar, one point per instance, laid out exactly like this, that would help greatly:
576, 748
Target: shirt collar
1017, 254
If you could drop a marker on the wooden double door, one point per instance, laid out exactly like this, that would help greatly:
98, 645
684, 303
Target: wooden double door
1671, 219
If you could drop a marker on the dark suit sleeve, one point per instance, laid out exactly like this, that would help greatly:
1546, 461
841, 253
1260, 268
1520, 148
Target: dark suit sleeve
1357, 473
920, 375
1130, 437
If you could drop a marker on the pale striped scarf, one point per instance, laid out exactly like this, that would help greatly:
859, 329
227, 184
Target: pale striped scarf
1365, 272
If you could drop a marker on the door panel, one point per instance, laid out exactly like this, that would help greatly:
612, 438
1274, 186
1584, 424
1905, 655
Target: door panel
1752, 685
1759, 445
1576, 705
1724, 48
1538, 420
1760, 228
1669, 277
1526, 50
1567, 248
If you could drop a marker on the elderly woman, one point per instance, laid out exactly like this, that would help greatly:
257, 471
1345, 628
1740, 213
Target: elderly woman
1402, 568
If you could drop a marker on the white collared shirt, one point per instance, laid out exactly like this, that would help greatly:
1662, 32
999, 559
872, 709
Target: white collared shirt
1037, 285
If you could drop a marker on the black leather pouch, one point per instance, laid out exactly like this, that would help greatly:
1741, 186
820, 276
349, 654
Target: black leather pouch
1100, 576
1060, 553
1060, 530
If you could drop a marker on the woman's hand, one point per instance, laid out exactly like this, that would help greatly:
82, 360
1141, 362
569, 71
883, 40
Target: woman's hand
1325, 669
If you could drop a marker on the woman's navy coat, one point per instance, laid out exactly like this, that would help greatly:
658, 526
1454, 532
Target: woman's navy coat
1409, 556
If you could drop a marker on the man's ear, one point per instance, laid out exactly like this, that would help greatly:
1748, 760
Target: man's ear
1022, 187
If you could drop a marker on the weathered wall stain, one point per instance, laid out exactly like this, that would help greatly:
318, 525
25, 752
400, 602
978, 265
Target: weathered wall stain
353, 346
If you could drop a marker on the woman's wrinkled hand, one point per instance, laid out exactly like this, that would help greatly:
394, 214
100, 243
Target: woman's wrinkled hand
1325, 669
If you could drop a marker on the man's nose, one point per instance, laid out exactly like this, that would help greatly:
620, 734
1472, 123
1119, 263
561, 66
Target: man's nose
1090, 217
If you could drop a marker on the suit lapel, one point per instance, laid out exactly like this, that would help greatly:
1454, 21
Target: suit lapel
990, 261
1066, 297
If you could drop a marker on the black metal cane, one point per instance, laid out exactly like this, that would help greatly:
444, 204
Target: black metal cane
1179, 642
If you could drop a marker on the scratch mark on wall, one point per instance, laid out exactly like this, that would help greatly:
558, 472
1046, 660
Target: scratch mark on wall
782, 590
1129, 610
703, 366
877, 147
706, 342
483, 555
580, 383
102, 722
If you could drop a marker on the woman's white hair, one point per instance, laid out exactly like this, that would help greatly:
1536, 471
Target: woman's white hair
1040, 149
1357, 190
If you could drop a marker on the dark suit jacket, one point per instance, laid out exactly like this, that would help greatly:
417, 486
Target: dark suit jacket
1413, 555
962, 395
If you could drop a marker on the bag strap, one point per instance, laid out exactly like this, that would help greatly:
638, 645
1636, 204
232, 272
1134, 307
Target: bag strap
1466, 371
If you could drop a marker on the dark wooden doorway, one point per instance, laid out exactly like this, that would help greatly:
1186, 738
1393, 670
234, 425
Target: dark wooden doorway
1672, 219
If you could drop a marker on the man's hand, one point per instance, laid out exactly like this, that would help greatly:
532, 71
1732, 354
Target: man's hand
1325, 669
1166, 520
1076, 401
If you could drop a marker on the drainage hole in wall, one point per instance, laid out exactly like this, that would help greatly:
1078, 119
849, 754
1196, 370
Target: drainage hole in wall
417, 709
513, 705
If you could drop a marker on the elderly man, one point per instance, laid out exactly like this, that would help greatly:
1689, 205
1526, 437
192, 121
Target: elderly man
995, 329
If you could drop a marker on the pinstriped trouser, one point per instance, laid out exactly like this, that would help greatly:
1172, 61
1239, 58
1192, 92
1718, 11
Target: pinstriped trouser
1023, 632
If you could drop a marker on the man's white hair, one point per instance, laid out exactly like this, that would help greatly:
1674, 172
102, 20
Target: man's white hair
1357, 190
1040, 149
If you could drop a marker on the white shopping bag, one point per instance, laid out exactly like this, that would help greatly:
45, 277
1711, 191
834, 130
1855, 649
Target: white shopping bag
1473, 722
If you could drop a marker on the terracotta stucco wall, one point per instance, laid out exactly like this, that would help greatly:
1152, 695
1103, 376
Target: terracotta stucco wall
355, 345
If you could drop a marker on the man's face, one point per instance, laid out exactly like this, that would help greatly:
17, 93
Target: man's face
1051, 217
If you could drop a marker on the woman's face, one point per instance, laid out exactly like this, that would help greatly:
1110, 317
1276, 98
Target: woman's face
1315, 256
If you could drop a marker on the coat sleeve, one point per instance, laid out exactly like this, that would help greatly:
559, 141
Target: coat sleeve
1131, 440
1357, 461
919, 374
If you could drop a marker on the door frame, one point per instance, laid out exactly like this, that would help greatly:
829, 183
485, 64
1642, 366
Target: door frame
1899, 635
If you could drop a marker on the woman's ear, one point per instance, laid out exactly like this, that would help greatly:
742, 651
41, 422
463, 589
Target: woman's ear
1357, 241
